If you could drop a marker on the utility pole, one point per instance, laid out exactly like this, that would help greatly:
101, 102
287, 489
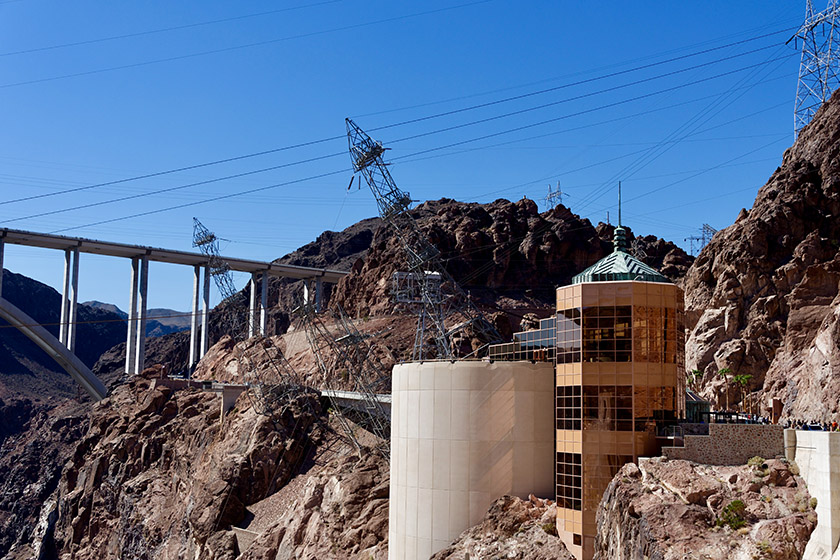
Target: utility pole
819, 68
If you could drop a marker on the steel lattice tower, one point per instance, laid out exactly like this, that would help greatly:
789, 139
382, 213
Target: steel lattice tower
426, 284
267, 398
819, 68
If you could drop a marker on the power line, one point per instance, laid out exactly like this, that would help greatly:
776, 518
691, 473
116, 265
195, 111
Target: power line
601, 68
240, 47
334, 138
658, 150
163, 29
260, 189
602, 77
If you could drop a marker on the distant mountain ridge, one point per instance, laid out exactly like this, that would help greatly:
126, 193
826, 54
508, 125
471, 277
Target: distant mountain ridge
160, 320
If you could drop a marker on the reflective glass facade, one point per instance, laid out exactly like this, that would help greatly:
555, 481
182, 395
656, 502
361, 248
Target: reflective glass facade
619, 358
619, 350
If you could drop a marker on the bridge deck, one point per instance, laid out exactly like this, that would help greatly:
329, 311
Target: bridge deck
108, 248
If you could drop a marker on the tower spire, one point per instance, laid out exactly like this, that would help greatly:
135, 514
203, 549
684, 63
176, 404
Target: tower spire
620, 235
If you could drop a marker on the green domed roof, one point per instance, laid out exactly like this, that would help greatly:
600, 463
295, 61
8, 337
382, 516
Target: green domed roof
619, 265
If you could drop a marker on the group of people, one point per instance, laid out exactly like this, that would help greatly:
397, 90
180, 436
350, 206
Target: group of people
812, 425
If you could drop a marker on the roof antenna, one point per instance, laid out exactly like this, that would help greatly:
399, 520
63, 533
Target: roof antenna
619, 204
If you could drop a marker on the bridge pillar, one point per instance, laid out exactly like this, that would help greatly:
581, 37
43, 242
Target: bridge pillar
2, 250
313, 292
263, 301
143, 302
205, 312
74, 300
65, 302
131, 337
194, 317
252, 306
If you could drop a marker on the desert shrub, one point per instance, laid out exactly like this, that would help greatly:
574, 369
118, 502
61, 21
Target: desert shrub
813, 503
765, 548
755, 461
732, 515
550, 528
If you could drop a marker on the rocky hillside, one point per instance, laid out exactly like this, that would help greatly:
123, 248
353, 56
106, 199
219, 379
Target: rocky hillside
762, 296
513, 528
156, 473
672, 510
506, 254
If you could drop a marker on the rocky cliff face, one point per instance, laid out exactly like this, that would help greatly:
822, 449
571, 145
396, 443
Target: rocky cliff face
36, 440
762, 296
513, 528
670, 510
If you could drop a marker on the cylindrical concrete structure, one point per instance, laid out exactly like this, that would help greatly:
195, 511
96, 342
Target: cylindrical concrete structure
462, 435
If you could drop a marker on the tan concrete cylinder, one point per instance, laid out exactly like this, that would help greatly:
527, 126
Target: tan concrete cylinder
462, 435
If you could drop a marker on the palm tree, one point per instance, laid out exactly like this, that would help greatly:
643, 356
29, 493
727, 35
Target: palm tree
742, 380
725, 374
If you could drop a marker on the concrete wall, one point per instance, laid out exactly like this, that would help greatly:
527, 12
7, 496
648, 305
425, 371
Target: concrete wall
731, 444
818, 456
462, 435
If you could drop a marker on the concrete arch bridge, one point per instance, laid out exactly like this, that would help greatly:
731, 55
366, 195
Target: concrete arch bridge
61, 349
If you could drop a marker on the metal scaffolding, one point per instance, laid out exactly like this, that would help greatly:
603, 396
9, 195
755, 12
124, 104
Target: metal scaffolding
436, 296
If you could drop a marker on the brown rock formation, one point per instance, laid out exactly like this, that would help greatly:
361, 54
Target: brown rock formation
341, 511
669, 510
513, 528
502, 252
762, 297
157, 475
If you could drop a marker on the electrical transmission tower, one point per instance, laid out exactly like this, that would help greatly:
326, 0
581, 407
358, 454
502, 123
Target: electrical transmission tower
266, 397
700, 241
638, 251
345, 358
208, 244
427, 284
819, 67
553, 198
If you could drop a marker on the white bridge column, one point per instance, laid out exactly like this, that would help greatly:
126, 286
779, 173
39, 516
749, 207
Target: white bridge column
65, 302
205, 312
313, 292
2, 250
252, 306
143, 302
131, 337
194, 317
263, 301
74, 300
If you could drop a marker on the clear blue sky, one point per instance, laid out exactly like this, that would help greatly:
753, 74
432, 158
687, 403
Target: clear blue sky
92, 92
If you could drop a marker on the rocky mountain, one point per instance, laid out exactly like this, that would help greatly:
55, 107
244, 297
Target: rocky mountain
160, 321
762, 297
671, 510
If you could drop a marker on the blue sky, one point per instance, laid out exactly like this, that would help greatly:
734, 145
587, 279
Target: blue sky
94, 92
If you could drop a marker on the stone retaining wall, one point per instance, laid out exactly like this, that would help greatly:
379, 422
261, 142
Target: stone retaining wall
731, 444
